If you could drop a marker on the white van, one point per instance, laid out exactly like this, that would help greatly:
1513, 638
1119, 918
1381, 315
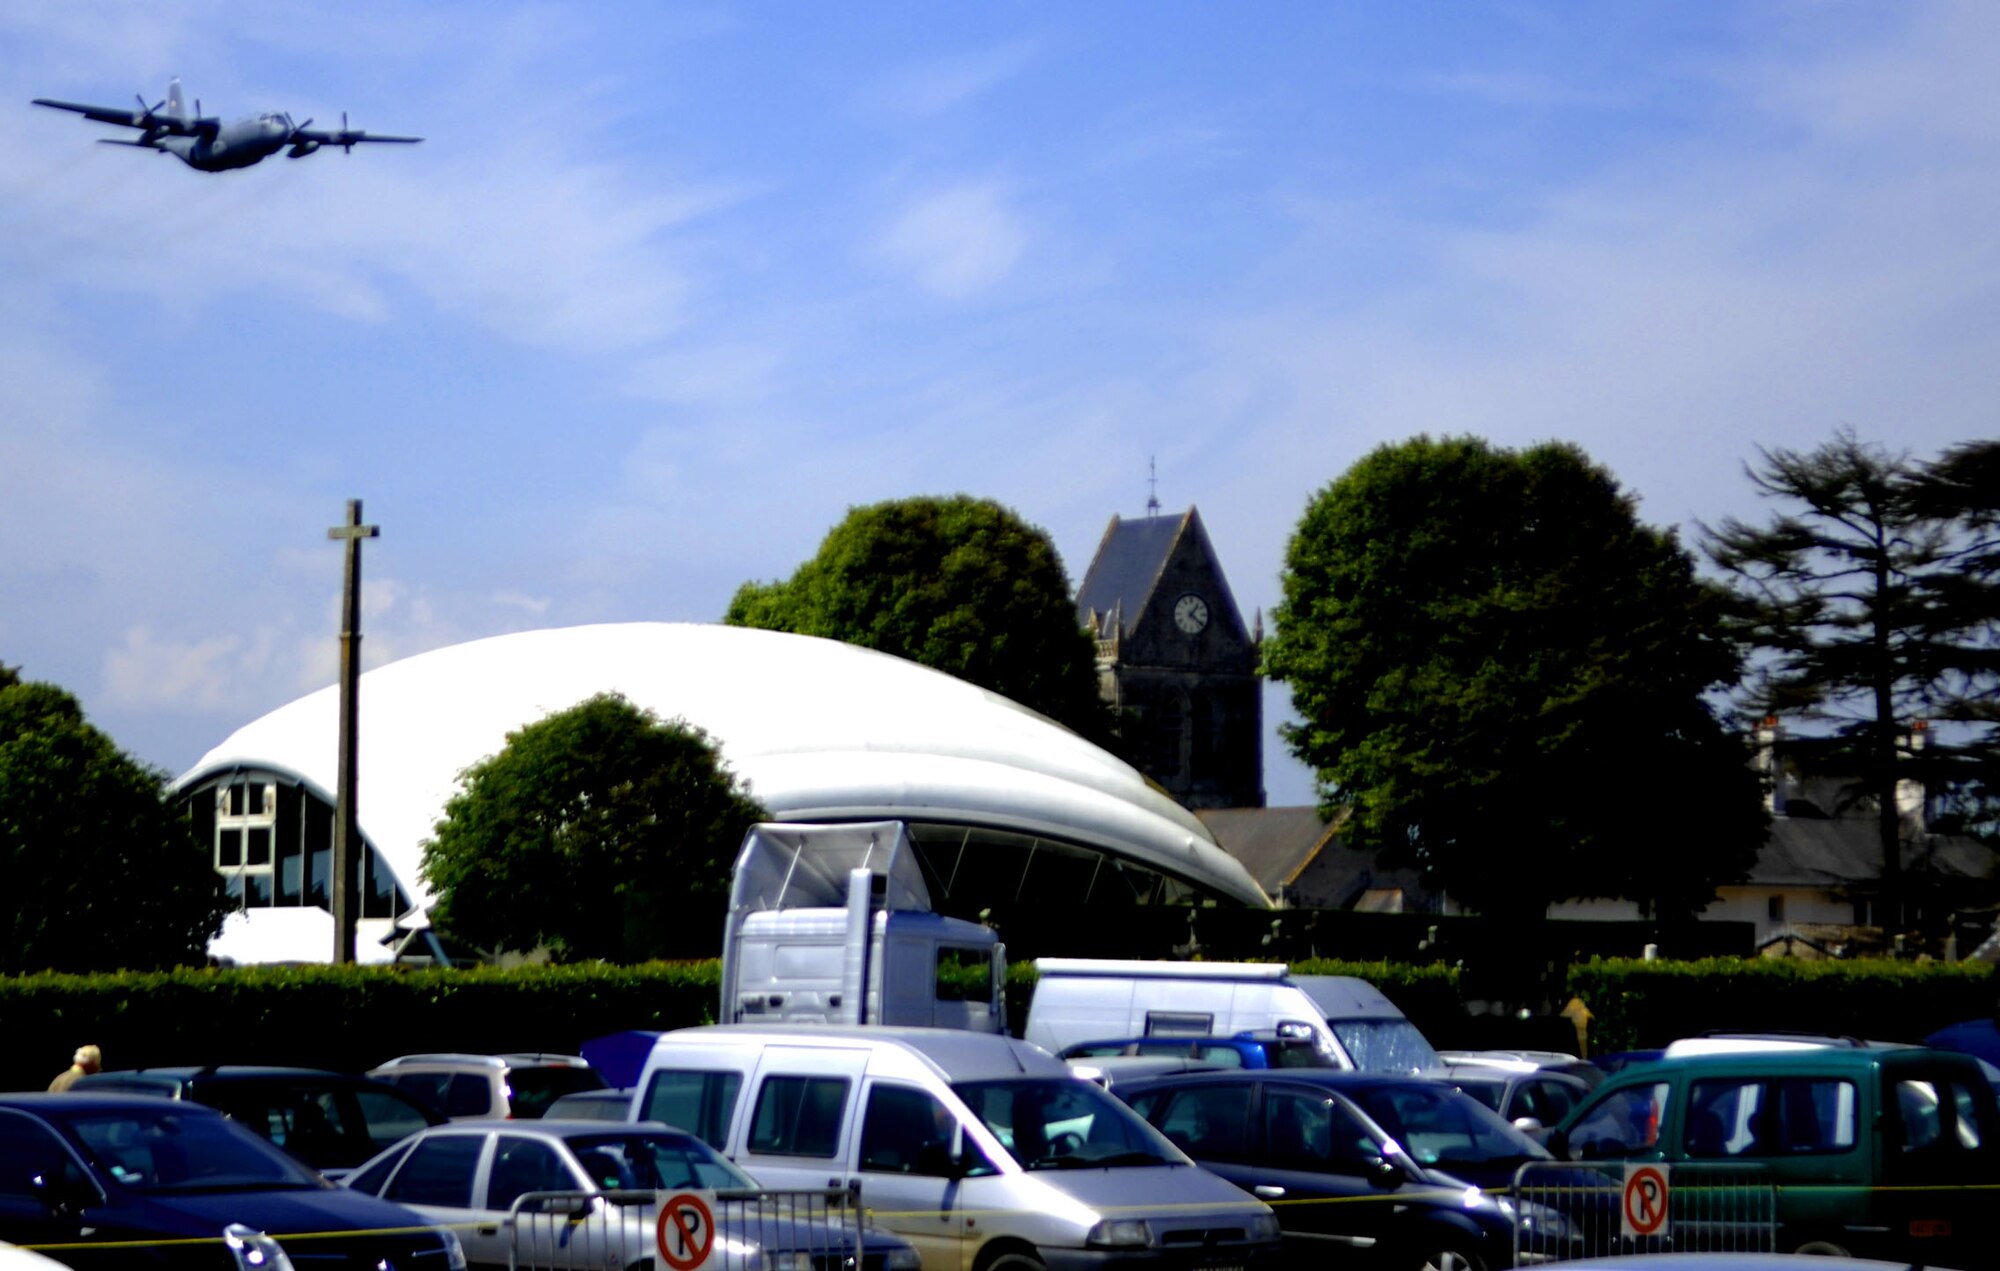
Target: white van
981, 1150
1104, 999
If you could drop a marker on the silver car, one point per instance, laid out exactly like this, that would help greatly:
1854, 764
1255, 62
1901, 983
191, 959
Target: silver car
578, 1193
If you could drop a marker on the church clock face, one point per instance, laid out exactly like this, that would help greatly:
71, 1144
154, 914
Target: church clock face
1191, 614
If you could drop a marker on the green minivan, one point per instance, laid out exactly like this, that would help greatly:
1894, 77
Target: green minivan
1871, 1151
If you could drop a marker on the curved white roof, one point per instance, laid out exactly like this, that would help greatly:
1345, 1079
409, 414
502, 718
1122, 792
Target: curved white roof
819, 729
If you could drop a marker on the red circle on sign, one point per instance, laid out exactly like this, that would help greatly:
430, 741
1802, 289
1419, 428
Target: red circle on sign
686, 1216
1646, 1200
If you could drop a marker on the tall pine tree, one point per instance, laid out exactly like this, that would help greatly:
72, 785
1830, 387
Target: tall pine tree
1869, 603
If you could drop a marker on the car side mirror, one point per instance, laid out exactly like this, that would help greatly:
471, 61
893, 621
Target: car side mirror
62, 1196
937, 1160
1528, 1125
1386, 1174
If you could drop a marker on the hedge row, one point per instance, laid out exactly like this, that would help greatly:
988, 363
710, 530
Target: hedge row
1638, 1004
354, 1017
349, 1018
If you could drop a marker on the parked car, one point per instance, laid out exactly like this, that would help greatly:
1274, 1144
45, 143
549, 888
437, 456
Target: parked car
1584, 1070
984, 1151
1110, 1071
81, 1171
1401, 1166
1866, 1150
1276, 1048
470, 1175
332, 1121
1530, 1101
592, 1105
519, 1086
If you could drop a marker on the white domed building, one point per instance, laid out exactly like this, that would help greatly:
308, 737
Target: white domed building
1002, 803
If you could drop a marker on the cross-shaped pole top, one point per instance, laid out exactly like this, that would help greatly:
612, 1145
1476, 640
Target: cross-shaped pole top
354, 529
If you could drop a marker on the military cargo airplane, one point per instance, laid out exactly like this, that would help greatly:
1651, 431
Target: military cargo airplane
208, 144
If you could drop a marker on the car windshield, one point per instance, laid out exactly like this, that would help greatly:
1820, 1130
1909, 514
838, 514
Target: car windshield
1384, 1045
651, 1161
181, 1149
1440, 1126
1063, 1123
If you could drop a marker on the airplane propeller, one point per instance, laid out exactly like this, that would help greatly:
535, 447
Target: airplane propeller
145, 111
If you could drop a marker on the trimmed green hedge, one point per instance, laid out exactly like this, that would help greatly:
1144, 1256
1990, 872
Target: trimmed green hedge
349, 1018
353, 1018
1637, 1004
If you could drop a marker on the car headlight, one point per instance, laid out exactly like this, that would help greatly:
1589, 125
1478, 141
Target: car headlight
1120, 1233
1540, 1220
1266, 1227
454, 1252
253, 1250
905, 1258
790, 1260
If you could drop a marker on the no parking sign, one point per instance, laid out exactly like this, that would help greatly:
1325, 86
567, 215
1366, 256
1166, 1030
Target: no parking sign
1643, 1211
686, 1230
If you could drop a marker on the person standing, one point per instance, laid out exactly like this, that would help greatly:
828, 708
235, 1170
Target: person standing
88, 1059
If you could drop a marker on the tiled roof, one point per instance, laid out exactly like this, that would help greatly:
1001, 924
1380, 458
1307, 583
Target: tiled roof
1272, 843
1127, 564
1838, 851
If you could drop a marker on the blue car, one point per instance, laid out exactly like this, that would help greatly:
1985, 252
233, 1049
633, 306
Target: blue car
131, 1181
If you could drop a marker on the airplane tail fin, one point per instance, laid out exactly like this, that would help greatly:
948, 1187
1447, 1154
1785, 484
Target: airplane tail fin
176, 104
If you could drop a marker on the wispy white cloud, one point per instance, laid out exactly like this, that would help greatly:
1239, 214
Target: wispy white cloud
943, 84
957, 241
1515, 88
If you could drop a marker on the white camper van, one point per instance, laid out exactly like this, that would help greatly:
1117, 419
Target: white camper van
832, 924
1101, 999
981, 1150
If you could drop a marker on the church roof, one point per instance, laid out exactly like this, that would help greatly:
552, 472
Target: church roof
821, 730
1126, 568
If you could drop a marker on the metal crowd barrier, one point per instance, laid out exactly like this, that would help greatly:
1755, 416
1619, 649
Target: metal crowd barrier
738, 1230
1567, 1210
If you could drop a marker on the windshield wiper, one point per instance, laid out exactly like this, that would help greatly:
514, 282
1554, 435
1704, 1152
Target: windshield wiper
1112, 1161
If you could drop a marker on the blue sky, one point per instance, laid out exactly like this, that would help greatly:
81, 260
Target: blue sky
670, 287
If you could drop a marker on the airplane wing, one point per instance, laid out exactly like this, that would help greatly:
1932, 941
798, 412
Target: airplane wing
346, 136
158, 124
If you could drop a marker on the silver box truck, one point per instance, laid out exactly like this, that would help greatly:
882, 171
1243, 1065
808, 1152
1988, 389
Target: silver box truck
832, 924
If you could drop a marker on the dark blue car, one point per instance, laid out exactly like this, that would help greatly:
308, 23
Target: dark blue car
129, 1181
1363, 1169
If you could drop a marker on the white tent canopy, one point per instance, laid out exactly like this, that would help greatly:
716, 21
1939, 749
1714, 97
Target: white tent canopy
820, 730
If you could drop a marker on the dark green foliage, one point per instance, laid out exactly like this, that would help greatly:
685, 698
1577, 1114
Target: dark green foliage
1500, 675
959, 584
97, 869
1645, 1004
347, 1018
1871, 600
599, 832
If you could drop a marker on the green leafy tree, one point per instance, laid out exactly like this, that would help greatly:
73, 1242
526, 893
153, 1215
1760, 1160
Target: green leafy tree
1871, 601
1500, 675
98, 870
597, 832
959, 584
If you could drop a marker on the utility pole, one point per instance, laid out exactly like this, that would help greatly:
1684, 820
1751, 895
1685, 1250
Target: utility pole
345, 857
